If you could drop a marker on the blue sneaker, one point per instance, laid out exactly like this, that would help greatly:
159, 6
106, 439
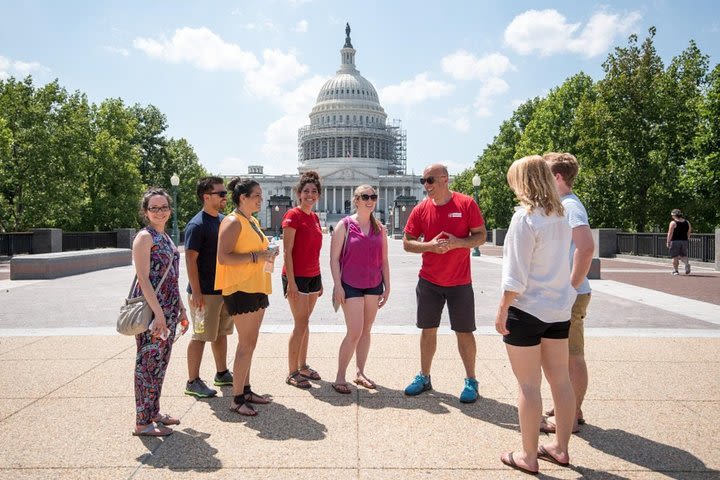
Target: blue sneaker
470, 392
419, 384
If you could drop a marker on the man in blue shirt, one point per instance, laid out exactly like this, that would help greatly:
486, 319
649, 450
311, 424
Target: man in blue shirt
211, 322
565, 167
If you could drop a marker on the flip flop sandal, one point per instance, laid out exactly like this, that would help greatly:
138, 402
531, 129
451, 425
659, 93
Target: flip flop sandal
364, 382
297, 380
511, 463
549, 427
167, 420
543, 454
313, 375
152, 430
341, 388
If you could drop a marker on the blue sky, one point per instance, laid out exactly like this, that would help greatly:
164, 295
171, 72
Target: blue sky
237, 78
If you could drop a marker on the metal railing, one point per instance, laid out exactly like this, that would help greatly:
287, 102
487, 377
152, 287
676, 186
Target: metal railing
88, 240
701, 246
15, 243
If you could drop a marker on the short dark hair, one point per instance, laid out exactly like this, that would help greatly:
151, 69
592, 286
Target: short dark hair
241, 186
206, 184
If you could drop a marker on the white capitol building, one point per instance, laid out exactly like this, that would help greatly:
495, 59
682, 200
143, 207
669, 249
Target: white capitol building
349, 142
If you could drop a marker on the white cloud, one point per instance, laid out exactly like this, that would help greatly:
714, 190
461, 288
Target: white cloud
456, 119
278, 68
18, 68
280, 144
485, 98
463, 65
260, 26
199, 47
548, 32
415, 91
301, 26
117, 51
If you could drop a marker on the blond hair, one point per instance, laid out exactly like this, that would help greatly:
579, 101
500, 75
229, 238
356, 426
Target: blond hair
533, 183
565, 164
356, 195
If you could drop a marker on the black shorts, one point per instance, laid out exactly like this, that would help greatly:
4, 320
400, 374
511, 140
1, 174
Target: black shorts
352, 292
527, 330
678, 248
306, 285
242, 302
431, 299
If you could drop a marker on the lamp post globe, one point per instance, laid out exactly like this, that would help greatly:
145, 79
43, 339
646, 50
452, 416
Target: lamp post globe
476, 189
174, 182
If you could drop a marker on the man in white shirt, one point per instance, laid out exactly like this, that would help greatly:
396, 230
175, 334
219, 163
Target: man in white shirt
565, 167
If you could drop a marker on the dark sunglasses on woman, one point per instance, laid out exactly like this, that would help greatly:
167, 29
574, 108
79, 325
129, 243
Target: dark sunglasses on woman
365, 197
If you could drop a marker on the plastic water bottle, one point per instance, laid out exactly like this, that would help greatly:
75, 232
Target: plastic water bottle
270, 264
163, 334
198, 316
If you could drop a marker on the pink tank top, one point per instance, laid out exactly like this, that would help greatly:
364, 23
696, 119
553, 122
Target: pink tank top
361, 261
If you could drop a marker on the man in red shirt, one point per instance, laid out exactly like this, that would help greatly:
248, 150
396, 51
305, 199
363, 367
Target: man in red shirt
450, 224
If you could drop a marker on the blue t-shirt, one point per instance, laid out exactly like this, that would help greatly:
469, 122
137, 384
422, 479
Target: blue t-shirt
576, 216
201, 235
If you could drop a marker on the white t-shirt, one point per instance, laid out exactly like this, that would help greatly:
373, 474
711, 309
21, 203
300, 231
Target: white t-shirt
534, 265
576, 216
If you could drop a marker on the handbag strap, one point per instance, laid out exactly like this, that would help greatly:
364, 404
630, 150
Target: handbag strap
342, 250
132, 287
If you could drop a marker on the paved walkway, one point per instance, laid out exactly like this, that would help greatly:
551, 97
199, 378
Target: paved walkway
66, 394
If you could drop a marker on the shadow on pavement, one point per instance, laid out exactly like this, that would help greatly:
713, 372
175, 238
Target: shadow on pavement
669, 460
274, 421
185, 449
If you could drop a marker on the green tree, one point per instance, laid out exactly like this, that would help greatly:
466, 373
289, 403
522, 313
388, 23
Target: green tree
552, 128
183, 160
497, 201
700, 182
113, 186
149, 137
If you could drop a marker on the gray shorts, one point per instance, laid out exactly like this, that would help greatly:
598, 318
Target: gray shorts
678, 248
431, 299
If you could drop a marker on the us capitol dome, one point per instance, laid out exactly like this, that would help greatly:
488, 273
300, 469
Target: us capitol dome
349, 142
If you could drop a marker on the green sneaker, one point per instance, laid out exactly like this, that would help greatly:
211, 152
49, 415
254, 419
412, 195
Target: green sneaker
197, 388
223, 379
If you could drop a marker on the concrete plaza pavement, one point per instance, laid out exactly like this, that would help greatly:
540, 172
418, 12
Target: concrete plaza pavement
67, 404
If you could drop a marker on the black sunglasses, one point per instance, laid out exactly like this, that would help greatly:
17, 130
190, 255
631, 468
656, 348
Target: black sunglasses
429, 180
365, 197
221, 194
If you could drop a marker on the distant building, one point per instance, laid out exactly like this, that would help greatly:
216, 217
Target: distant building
349, 142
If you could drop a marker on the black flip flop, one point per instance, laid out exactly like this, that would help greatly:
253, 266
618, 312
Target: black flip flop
511, 463
543, 454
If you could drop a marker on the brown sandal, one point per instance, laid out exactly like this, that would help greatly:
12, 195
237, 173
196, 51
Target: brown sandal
343, 388
313, 375
297, 380
238, 402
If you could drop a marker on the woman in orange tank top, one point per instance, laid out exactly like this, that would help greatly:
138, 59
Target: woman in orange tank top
242, 253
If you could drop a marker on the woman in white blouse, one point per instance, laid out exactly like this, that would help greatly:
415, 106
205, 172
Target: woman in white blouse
534, 312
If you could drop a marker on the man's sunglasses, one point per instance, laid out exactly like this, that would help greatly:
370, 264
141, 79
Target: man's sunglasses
428, 180
365, 197
221, 194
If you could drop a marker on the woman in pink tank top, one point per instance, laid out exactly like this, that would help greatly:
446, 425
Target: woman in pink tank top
361, 272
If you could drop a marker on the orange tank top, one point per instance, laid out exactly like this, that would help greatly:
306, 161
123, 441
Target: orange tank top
247, 277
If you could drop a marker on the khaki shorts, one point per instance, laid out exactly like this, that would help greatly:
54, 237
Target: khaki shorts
217, 320
576, 339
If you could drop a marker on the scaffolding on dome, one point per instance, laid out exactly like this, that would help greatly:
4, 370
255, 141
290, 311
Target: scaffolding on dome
398, 162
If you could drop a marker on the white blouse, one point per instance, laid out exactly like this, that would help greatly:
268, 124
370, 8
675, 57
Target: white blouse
535, 265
